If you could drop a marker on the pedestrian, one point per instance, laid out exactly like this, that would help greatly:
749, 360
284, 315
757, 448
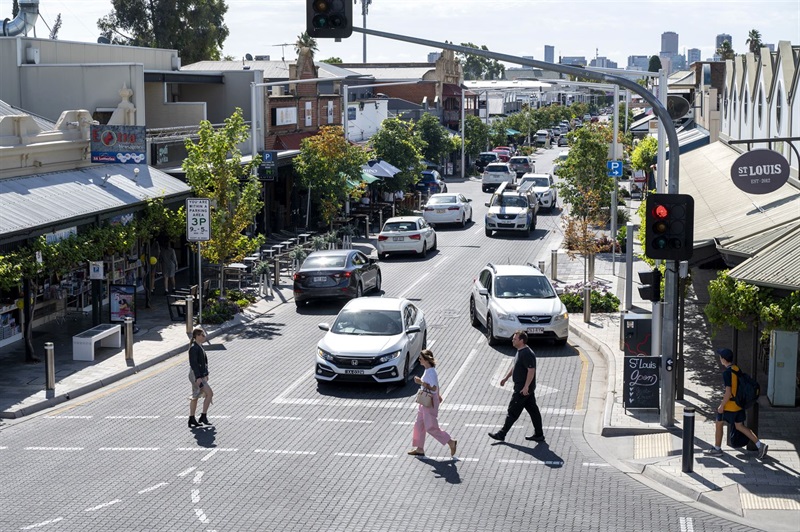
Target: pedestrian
169, 266
155, 252
427, 416
198, 376
728, 411
523, 374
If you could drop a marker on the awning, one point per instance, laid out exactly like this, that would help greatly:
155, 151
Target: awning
777, 266
38, 204
510, 131
379, 168
369, 179
689, 139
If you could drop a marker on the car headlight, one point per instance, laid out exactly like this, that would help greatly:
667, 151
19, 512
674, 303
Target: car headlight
504, 316
522, 215
389, 356
324, 355
561, 317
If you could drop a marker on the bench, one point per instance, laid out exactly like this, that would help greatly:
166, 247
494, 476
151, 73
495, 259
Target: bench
177, 302
109, 334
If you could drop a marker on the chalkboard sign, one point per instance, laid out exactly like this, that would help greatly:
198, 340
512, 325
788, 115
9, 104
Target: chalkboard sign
641, 382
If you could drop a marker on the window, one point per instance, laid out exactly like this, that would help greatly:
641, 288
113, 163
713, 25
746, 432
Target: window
725, 103
744, 107
486, 280
760, 103
359, 259
778, 109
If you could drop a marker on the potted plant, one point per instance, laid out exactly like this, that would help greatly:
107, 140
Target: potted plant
331, 239
298, 255
262, 270
347, 233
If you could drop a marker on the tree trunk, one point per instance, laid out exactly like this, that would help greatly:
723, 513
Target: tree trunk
28, 306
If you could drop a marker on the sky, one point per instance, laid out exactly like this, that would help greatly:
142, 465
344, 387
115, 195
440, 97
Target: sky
614, 29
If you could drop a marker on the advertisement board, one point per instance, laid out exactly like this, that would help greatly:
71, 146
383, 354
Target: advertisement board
121, 302
119, 144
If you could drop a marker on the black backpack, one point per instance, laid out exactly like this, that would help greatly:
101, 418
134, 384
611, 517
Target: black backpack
747, 390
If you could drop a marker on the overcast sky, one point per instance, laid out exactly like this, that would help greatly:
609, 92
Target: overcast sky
614, 29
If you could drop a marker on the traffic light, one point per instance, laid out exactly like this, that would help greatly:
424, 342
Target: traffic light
669, 231
651, 285
329, 19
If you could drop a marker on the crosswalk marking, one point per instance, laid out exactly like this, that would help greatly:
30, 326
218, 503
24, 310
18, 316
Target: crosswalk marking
104, 505
43, 523
281, 451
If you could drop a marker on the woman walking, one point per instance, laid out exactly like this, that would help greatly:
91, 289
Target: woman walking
169, 266
427, 416
198, 376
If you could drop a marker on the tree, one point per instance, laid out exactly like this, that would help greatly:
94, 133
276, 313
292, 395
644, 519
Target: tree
725, 51
193, 27
56, 27
434, 138
583, 174
655, 64
305, 43
214, 169
754, 41
325, 163
332, 61
476, 135
396, 143
477, 67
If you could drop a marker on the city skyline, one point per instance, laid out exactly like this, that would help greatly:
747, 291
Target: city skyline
614, 30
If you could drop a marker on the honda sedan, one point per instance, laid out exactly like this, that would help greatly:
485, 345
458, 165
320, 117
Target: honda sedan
334, 274
406, 234
448, 209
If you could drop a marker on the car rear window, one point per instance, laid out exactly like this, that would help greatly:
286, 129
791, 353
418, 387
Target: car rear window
336, 261
442, 199
501, 168
394, 227
427, 178
519, 160
487, 157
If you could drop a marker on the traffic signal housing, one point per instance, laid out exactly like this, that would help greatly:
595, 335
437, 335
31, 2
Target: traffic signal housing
669, 231
329, 19
651, 285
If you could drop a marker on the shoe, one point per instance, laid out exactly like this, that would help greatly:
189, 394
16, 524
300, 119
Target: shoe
713, 452
535, 437
762, 451
453, 444
416, 452
193, 422
499, 436
204, 420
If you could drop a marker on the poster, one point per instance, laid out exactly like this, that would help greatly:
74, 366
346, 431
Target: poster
122, 302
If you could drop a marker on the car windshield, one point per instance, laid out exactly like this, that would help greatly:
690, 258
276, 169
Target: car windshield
325, 261
523, 286
427, 178
442, 199
368, 323
509, 201
487, 157
497, 168
394, 227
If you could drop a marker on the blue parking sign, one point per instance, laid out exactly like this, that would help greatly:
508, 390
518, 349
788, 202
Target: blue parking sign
614, 168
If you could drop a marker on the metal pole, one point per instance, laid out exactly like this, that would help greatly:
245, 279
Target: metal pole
541, 266
128, 338
345, 103
554, 264
200, 294
50, 366
308, 206
613, 212
587, 304
687, 460
590, 260
629, 266
752, 414
463, 147
277, 276
661, 156
189, 314
364, 4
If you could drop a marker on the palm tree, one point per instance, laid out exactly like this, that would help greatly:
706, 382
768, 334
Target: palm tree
754, 41
725, 51
305, 44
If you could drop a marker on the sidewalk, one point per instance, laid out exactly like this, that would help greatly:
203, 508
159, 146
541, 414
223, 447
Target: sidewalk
763, 494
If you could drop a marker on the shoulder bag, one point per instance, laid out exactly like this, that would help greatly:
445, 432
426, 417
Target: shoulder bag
424, 398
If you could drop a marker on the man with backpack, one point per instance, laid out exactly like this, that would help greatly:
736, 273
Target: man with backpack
729, 411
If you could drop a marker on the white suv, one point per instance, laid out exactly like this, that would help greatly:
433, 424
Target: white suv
542, 186
496, 173
507, 298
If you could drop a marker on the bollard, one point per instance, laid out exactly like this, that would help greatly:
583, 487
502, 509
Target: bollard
590, 259
587, 304
687, 460
554, 264
541, 266
277, 269
189, 314
50, 364
128, 338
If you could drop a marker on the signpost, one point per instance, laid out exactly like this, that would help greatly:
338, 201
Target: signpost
760, 171
641, 377
198, 229
614, 168
268, 168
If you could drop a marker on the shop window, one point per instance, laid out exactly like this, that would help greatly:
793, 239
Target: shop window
760, 100
778, 109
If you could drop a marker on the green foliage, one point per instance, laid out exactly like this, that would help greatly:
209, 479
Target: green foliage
655, 64
644, 154
601, 301
433, 138
305, 43
734, 303
584, 182
476, 67
263, 268
332, 61
476, 135
753, 41
725, 51
219, 311
396, 143
622, 237
195, 28
298, 253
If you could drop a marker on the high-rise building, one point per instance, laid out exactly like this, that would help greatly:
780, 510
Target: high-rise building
549, 53
577, 60
527, 57
638, 62
669, 43
693, 55
602, 62
723, 37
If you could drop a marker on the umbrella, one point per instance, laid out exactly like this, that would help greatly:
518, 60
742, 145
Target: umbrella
379, 168
369, 179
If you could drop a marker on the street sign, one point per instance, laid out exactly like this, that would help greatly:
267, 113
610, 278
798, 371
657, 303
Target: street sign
614, 168
760, 171
198, 219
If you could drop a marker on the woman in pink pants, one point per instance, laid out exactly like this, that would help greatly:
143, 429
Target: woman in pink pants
427, 417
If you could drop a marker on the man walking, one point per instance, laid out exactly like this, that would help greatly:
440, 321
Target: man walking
523, 373
728, 411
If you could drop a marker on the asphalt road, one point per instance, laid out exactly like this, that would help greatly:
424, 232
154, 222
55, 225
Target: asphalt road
285, 454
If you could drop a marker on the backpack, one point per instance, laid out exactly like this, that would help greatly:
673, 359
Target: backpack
747, 390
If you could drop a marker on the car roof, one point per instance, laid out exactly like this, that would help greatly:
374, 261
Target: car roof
499, 163
442, 194
531, 175
517, 269
330, 252
375, 303
488, 153
403, 219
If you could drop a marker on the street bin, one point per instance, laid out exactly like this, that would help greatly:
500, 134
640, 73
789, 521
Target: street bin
636, 334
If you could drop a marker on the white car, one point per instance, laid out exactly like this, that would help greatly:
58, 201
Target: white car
406, 234
507, 298
496, 173
542, 186
448, 209
374, 339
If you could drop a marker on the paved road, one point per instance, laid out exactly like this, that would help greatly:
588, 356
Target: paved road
285, 454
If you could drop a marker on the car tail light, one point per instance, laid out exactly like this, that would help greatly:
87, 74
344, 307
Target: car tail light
415, 237
297, 277
452, 208
341, 275
429, 209
383, 237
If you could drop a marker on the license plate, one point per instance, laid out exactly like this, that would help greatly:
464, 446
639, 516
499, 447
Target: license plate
354, 372
398, 238
439, 211
536, 330
319, 279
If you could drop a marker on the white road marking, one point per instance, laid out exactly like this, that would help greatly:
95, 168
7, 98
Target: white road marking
104, 505
414, 422
198, 477
285, 418
132, 417
153, 488
502, 371
280, 451
68, 417
195, 496
43, 523
594, 464
302, 379
365, 455
461, 370
489, 426
533, 462
407, 404
211, 452
53, 448
439, 263
201, 515
186, 472
479, 231
3, 448
128, 449
412, 285
344, 420
687, 524
215, 417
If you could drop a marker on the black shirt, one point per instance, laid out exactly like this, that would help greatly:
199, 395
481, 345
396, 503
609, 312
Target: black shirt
198, 361
524, 360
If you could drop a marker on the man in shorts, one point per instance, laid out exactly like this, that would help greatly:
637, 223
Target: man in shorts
728, 411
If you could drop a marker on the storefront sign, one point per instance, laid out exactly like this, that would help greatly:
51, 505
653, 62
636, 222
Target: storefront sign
118, 144
198, 219
284, 116
122, 302
58, 236
760, 171
96, 270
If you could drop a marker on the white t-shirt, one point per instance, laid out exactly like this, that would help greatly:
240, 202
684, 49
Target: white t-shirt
431, 378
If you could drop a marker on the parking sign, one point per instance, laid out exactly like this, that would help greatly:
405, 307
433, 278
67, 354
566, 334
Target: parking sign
614, 168
198, 219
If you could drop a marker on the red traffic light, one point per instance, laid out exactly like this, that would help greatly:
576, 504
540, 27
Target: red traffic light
660, 212
669, 226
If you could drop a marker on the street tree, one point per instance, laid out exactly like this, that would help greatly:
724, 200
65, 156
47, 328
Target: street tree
325, 164
214, 169
725, 51
754, 41
476, 135
644, 155
584, 172
476, 67
434, 139
655, 64
397, 144
195, 28
332, 61
306, 44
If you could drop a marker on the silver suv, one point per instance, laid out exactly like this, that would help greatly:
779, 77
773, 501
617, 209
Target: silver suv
507, 298
496, 173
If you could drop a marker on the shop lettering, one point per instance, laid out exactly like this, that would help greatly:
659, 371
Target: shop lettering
637, 379
759, 170
109, 137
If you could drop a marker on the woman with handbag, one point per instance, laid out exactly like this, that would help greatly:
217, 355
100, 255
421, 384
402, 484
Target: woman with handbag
428, 412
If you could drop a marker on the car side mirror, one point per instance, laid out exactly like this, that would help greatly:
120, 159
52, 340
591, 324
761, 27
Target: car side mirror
413, 329
324, 326
483, 291
469, 200
559, 291
487, 203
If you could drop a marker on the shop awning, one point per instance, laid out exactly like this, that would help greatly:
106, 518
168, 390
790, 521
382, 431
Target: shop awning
42, 203
369, 179
510, 131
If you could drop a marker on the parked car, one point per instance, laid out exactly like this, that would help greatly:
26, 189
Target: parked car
448, 209
497, 173
559, 160
506, 298
406, 234
431, 182
373, 339
335, 274
522, 164
542, 137
486, 157
562, 141
503, 153
542, 186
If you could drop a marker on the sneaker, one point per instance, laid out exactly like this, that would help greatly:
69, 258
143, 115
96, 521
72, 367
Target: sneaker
713, 452
762, 451
535, 437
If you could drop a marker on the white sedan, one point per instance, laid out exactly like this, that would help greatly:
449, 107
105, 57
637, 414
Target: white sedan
448, 209
406, 234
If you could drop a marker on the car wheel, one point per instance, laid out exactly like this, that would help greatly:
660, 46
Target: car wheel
463, 221
561, 341
359, 290
473, 316
425, 340
493, 340
406, 369
378, 282
424, 250
435, 243
470, 217
488, 232
382, 256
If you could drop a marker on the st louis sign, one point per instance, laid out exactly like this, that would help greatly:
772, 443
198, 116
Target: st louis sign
760, 171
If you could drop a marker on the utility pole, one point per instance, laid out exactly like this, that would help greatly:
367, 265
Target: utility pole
364, 11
